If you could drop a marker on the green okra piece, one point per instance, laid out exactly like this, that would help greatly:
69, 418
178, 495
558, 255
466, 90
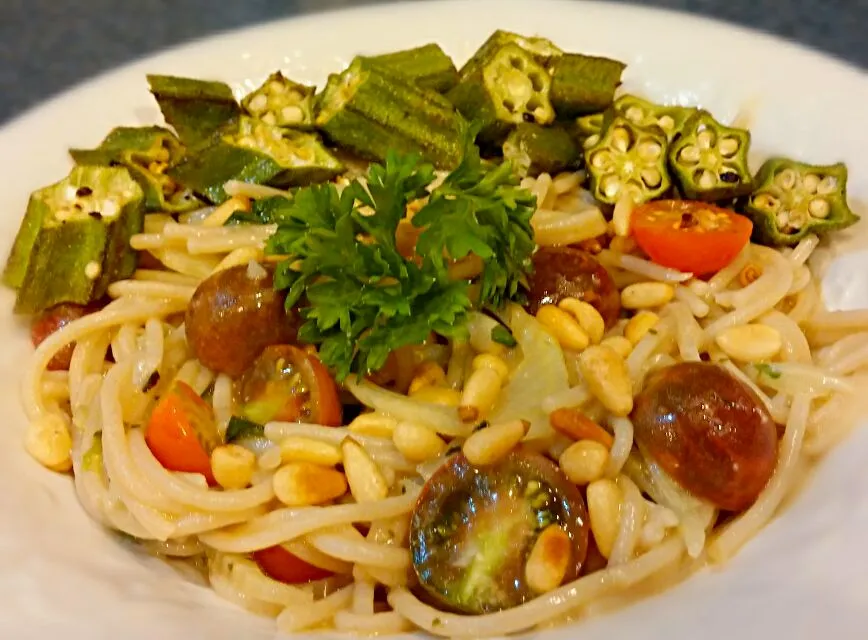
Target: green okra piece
589, 125
670, 118
583, 84
709, 161
369, 110
793, 199
147, 152
533, 149
509, 88
251, 150
74, 239
194, 108
628, 159
281, 102
428, 66
542, 50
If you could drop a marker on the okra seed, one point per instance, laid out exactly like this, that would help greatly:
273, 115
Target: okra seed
652, 178
649, 150
269, 118
728, 147
667, 123
819, 208
601, 159
787, 179
827, 185
294, 96
797, 221
292, 114
276, 87
592, 141
611, 186
258, 104
783, 219
634, 114
689, 154
705, 139
539, 113
811, 183
705, 178
621, 139
766, 202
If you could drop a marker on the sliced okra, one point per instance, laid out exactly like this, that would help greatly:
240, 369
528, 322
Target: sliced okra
628, 159
74, 239
542, 50
534, 149
148, 152
428, 66
251, 150
583, 84
590, 125
281, 102
793, 199
370, 111
709, 160
194, 108
644, 113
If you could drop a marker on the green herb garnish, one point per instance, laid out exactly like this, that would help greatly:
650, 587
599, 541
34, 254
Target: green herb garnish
360, 299
768, 371
242, 428
502, 335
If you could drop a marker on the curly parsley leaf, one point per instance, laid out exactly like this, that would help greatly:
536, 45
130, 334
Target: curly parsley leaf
358, 296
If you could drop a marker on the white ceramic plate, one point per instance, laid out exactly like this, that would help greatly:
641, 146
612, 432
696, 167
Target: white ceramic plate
805, 576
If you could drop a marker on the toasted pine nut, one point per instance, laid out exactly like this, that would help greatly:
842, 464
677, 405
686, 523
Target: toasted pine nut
549, 559
639, 325
587, 316
646, 295
299, 449
480, 393
416, 442
438, 395
622, 215
300, 484
48, 440
619, 344
489, 361
232, 466
428, 374
367, 482
492, 443
607, 377
578, 426
373, 424
750, 342
563, 327
604, 511
584, 461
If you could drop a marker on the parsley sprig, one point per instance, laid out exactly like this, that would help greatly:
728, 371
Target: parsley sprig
358, 296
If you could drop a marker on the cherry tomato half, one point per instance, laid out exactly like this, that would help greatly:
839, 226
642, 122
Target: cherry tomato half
708, 431
693, 237
567, 272
54, 319
279, 564
288, 384
473, 528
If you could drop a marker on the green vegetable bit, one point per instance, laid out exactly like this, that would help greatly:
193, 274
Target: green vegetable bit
643, 113
194, 108
281, 102
74, 239
533, 149
242, 429
542, 50
709, 160
628, 159
251, 150
502, 335
360, 298
372, 111
148, 152
427, 66
583, 84
793, 199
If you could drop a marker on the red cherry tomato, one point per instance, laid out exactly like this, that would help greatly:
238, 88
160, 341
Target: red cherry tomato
279, 564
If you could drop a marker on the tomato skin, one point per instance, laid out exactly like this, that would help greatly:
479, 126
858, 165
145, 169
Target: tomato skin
472, 529
288, 384
693, 237
279, 564
180, 428
708, 431
53, 320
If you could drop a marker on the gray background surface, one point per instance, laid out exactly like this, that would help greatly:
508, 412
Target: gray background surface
47, 46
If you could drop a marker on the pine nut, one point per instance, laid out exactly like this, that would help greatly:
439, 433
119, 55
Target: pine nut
587, 316
299, 449
584, 461
367, 482
301, 484
548, 560
563, 327
604, 511
639, 325
480, 394
438, 395
232, 466
619, 344
417, 443
48, 440
373, 424
646, 295
607, 377
623, 214
492, 443
428, 374
750, 342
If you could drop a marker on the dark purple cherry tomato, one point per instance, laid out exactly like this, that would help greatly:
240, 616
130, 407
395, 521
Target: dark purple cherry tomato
567, 272
54, 319
708, 431
473, 529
